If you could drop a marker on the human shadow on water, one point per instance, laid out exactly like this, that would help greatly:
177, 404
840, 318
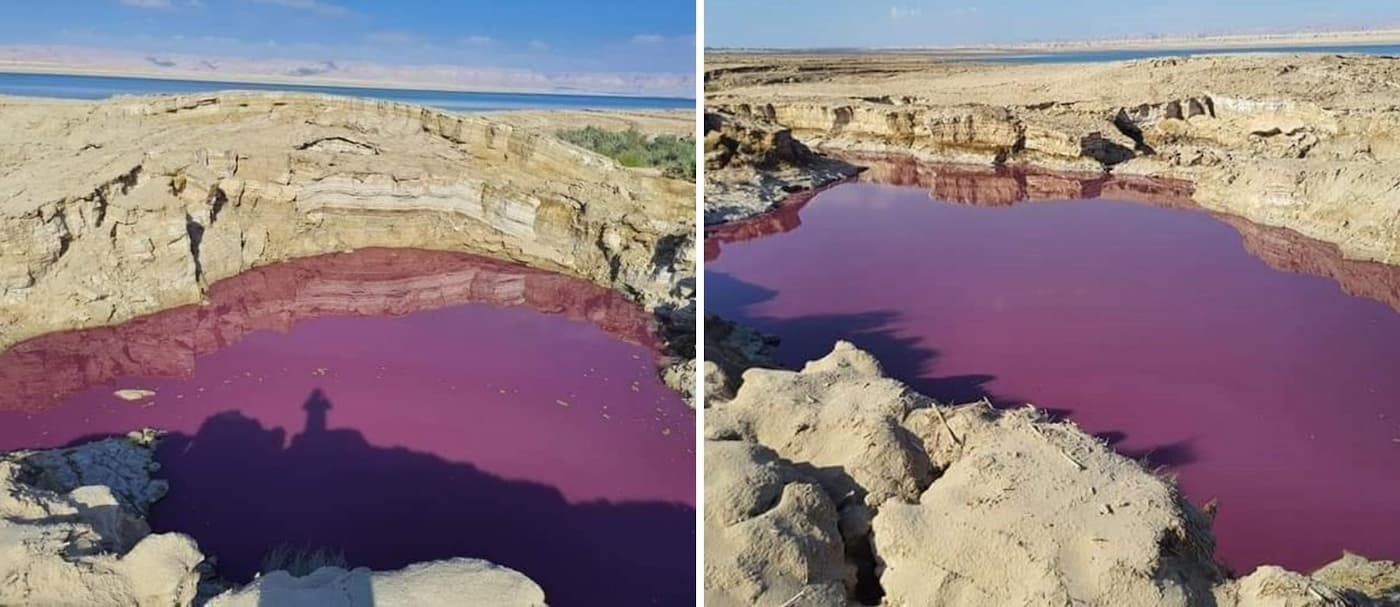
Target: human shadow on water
241, 489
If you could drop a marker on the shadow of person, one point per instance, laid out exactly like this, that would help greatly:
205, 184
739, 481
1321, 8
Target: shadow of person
241, 489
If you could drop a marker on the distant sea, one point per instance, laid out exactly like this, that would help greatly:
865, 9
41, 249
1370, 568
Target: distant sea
102, 87
1124, 55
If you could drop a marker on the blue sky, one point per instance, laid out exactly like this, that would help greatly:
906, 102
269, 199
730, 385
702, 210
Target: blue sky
633, 36
865, 23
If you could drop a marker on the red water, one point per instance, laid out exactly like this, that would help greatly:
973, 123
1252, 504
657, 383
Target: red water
399, 406
1223, 351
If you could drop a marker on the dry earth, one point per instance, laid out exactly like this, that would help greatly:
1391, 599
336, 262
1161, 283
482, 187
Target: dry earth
835, 485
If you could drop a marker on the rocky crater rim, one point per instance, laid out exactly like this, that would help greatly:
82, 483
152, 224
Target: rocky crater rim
1306, 142
120, 208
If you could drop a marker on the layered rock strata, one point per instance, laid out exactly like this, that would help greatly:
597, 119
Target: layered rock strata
1304, 142
751, 165
120, 208
41, 373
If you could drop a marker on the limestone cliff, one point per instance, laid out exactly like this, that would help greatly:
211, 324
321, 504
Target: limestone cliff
1306, 142
749, 166
120, 208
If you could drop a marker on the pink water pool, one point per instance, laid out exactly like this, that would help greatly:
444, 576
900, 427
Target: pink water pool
1257, 366
398, 406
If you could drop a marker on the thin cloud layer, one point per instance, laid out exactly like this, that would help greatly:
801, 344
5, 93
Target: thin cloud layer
431, 76
544, 45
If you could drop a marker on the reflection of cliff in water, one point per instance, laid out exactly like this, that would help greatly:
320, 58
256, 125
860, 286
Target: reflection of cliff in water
1000, 186
783, 218
1288, 251
43, 371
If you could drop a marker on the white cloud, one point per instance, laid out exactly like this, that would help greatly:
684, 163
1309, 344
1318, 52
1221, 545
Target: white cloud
648, 39
477, 40
512, 69
147, 3
537, 45
325, 9
902, 12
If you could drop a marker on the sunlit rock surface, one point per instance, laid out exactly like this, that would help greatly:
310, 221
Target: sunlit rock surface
119, 208
1305, 142
1018, 510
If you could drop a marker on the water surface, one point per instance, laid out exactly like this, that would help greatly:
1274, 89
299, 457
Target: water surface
102, 87
1256, 366
1099, 56
398, 406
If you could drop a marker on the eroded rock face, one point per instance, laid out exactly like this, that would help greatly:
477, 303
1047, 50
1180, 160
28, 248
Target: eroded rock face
750, 166
729, 350
115, 209
1067, 529
956, 505
1306, 142
65, 539
43, 372
771, 534
1357, 575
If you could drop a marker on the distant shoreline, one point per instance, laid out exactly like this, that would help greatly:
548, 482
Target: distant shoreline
1338, 38
1165, 43
15, 67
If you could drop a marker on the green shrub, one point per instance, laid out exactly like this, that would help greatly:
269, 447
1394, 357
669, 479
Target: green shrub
675, 156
